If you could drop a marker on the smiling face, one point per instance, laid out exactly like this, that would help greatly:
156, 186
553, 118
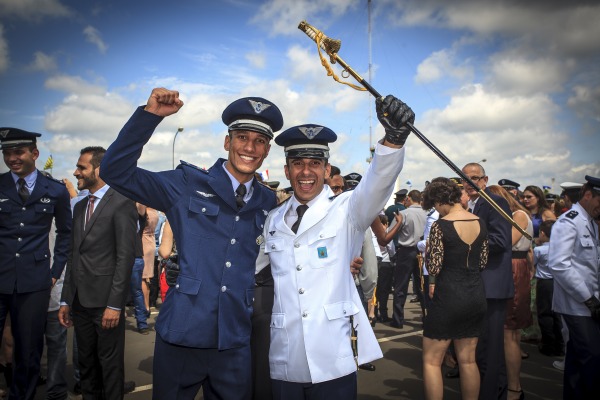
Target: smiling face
307, 176
247, 150
21, 160
87, 176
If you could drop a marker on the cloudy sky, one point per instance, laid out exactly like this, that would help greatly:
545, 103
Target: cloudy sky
515, 83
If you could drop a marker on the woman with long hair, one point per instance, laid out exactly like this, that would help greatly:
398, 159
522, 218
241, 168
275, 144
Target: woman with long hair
535, 202
457, 250
518, 310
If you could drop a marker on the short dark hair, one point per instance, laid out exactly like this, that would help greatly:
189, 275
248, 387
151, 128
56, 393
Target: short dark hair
335, 171
441, 191
97, 154
415, 196
546, 227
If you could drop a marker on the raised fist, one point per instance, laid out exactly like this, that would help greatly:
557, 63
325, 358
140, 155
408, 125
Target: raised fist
163, 102
393, 115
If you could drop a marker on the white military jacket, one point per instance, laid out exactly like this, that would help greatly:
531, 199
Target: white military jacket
573, 259
315, 294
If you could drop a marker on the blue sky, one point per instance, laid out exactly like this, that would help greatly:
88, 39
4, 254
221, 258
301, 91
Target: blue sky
516, 83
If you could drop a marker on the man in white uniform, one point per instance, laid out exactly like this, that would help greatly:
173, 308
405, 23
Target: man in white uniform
574, 260
310, 240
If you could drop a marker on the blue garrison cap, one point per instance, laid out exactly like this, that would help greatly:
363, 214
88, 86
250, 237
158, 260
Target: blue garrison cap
306, 141
253, 114
508, 184
13, 137
352, 179
593, 182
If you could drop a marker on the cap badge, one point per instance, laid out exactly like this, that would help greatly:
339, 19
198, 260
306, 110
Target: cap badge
353, 176
258, 106
310, 131
4, 133
45, 200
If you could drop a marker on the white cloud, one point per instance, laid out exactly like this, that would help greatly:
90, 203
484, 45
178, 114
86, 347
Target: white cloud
256, 59
42, 62
517, 74
33, 9
585, 101
283, 16
4, 60
93, 36
441, 64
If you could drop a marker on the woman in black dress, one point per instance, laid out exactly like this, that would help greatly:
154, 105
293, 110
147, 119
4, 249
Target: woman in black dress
456, 252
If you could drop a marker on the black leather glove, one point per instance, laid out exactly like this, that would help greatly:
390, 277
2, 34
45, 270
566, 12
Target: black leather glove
393, 116
171, 272
594, 305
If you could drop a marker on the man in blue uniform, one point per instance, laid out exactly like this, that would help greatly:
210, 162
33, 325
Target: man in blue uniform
28, 203
574, 260
217, 216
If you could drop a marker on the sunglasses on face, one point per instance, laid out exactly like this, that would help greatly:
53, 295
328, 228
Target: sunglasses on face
336, 188
474, 178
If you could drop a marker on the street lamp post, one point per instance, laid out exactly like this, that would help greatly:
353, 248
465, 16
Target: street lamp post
481, 161
175, 137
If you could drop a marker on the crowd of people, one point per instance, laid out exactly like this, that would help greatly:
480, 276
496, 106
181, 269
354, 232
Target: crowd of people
272, 294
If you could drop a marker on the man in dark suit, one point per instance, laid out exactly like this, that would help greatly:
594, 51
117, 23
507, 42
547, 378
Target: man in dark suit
498, 283
29, 201
97, 278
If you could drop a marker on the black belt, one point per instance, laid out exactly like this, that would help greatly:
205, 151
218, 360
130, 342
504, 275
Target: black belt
264, 277
519, 254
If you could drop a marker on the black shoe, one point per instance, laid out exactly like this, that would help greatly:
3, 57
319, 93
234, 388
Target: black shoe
394, 324
367, 367
384, 318
77, 389
453, 373
144, 331
547, 351
373, 321
41, 380
128, 386
524, 355
414, 300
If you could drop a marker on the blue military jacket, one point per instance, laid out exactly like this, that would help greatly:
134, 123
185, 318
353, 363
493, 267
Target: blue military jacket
24, 230
211, 304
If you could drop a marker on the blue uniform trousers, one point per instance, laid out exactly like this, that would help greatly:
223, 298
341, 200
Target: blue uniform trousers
582, 362
179, 372
28, 313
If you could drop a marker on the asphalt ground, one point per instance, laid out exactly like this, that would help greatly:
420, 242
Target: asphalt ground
398, 374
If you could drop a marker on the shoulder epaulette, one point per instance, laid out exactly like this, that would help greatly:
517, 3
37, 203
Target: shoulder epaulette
55, 180
571, 214
187, 164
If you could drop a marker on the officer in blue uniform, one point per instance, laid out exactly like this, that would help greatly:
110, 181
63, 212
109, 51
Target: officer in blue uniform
511, 187
574, 260
28, 203
217, 217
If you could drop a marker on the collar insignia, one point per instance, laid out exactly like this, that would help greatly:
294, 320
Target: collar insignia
45, 200
258, 106
205, 194
260, 240
310, 131
271, 233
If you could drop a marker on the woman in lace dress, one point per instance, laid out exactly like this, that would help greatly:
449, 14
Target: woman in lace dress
456, 252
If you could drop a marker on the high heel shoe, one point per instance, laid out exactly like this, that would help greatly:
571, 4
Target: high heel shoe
522, 394
373, 321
